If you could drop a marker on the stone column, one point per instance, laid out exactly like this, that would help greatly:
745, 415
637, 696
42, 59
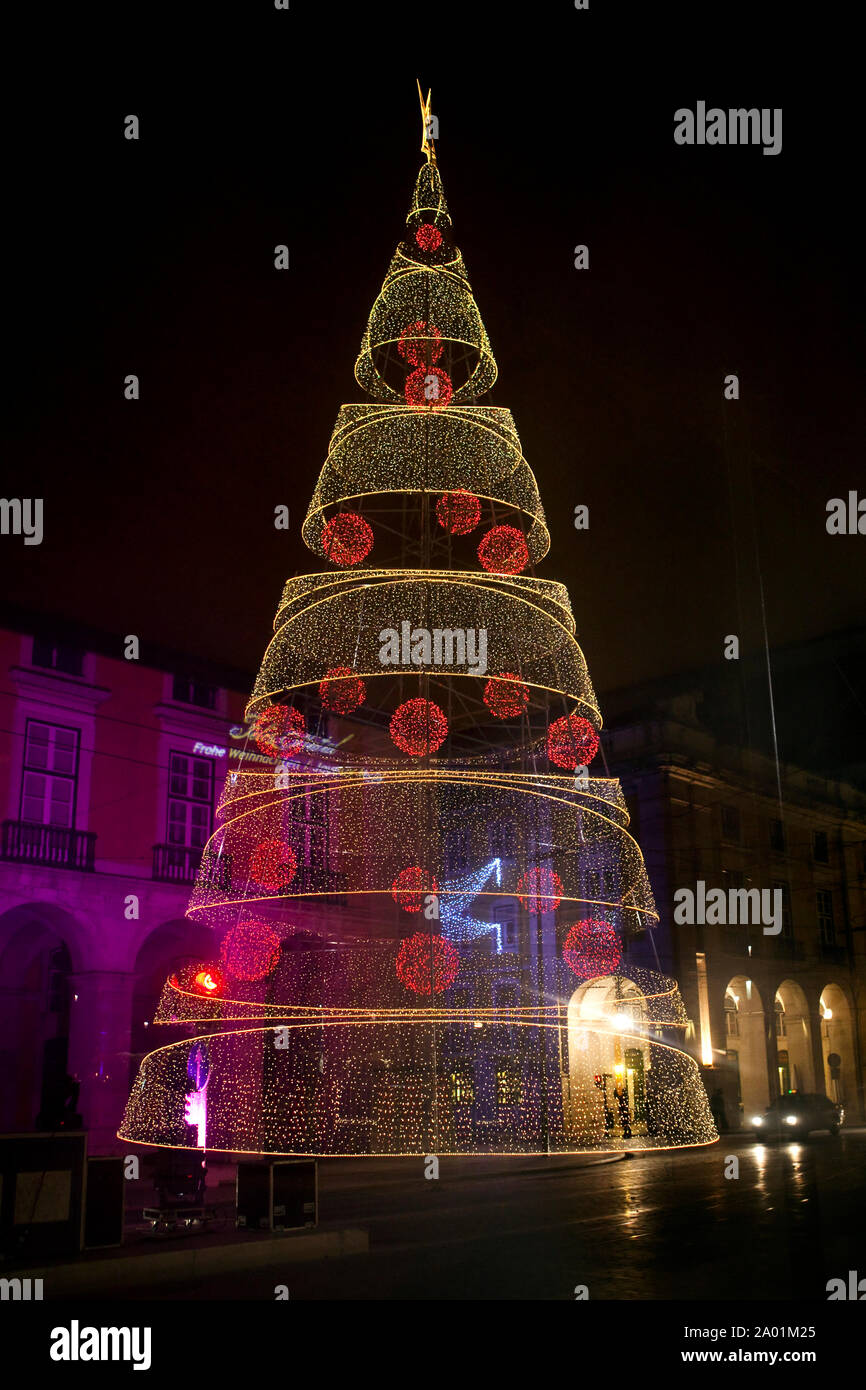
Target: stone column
816, 1037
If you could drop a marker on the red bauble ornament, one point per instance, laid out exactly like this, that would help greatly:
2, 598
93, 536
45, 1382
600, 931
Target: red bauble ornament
273, 864
420, 343
411, 886
347, 538
428, 386
506, 696
571, 741
540, 890
459, 512
342, 691
280, 731
427, 964
592, 948
418, 727
428, 237
250, 950
503, 550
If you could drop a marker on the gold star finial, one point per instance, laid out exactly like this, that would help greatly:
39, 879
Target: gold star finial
427, 125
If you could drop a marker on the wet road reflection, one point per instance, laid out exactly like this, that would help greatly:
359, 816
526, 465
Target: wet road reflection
662, 1226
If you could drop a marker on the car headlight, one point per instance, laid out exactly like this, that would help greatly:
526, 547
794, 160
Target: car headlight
790, 1119
757, 1119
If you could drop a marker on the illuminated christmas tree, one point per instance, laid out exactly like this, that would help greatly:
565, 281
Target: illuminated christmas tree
449, 967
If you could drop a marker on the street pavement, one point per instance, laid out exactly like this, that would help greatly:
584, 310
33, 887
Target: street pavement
655, 1226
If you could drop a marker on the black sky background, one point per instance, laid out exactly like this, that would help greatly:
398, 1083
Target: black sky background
556, 128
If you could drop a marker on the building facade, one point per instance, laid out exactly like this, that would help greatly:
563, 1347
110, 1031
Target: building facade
770, 1010
109, 773
109, 769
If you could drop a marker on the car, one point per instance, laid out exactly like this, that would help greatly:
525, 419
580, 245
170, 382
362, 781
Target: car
795, 1115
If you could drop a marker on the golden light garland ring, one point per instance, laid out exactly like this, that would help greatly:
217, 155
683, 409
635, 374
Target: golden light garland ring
549, 599
347, 538
342, 691
418, 727
458, 512
659, 995
280, 731
411, 886
571, 741
429, 387
420, 343
503, 550
273, 864
378, 449
427, 964
310, 633
250, 950
587, 829
408, 290
592, 948
540, 889
301, 1110
506, 696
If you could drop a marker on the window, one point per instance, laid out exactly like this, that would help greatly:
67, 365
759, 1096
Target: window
190, 797
57, 656
731, 824
50, 775
194, 692
826, 922
784, 1073
820, 848
734, 1062
57, 983
780, 886
778, 843
506, 915
309, 825
508, 1088
732, 1018
781, 1031
462, 1088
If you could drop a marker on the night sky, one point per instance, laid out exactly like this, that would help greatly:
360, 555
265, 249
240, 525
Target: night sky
156, 258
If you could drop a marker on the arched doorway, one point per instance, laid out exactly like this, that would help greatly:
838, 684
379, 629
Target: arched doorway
607, 1066
793, 1040
38, 953
165, 950
745, 1045
837, 1045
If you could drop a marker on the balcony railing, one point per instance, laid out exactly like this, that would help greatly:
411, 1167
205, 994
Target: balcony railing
175, 863
180, 864
51, 845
